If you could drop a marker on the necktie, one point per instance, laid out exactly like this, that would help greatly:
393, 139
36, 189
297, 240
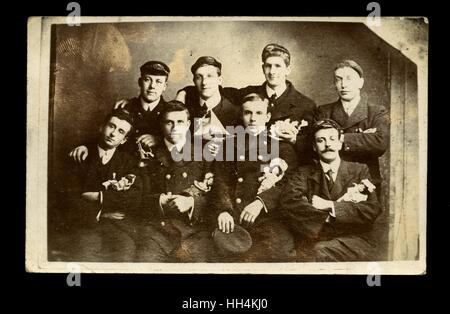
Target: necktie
104, 158
330, 179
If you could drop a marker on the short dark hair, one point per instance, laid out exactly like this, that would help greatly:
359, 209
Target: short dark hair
172, 106
257, 97
325, 124
207, 60
350, 64
121, 114
276, 50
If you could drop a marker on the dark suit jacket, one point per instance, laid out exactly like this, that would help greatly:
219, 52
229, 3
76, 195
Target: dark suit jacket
351, 218
145, 122
291, 104
237, 182
90, 175
226, 111
164, 174
358, 146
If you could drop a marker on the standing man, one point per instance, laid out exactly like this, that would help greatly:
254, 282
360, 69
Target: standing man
207, 101
144, 108
175, 191
286, 101
331, 205
365, 125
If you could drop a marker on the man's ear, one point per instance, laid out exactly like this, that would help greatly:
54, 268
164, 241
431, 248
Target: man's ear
269, 115
140, 81
288, 69
124, 140
189, 123
361, 83
220, 80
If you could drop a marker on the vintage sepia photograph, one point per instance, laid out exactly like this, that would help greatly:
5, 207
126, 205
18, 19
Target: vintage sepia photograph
256, 145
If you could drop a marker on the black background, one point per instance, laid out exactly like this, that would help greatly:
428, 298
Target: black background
164, 293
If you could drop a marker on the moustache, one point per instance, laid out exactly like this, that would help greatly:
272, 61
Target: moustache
328, 150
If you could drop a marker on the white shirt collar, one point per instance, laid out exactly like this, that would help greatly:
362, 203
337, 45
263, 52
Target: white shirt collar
334, 166
179, 145
149, 106
105, 154
349, 106
279, 90
211, 102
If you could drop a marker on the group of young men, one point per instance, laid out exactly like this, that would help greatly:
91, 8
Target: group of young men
258, 174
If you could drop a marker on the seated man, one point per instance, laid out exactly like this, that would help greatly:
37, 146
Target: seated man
332, 205
247, 190
106, 189
144, 109
175, 191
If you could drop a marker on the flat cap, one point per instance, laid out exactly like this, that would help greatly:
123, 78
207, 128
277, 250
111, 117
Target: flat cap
237, 242
155, 68
205, 60
350, 64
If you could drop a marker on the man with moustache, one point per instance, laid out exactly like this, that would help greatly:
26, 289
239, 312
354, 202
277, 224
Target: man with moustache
144, 108
331, 205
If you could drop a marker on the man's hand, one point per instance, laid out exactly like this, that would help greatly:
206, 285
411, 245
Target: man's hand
213, 148
79, 154
90, 196
251, 212
181, 203
121, 104
288, 136
321, 204
116, 215
147, 140
371, 130
226, 222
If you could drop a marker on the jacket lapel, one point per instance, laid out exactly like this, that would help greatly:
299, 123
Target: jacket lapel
318, 183
359, 114
342, 178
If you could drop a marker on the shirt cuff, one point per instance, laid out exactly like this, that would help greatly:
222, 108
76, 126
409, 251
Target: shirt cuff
191, 211
264, 205
160, 205
100, 203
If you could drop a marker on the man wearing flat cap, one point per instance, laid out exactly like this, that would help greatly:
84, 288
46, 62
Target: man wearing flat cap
286, 101
144, 108
206, 100
365, 125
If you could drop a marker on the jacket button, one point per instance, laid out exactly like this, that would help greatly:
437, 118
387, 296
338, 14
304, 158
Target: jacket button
240, 179
184, 175
238, 201
260, 157
163, 223
168, 176
242, 157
